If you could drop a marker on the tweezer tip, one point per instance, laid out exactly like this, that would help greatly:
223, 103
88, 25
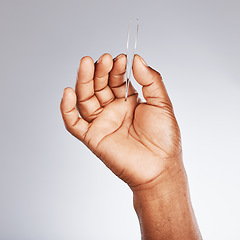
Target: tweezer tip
126, 96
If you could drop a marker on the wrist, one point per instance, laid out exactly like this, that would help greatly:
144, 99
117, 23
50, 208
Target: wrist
172, 180
169, 189
164, 207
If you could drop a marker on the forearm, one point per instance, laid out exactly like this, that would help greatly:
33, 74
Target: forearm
164, 208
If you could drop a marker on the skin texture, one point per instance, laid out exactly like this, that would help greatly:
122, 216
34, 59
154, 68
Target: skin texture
139, 142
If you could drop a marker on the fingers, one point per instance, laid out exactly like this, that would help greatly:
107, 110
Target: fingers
117, 75
102, 91
153, 88
87, 103
74, 124
117, 79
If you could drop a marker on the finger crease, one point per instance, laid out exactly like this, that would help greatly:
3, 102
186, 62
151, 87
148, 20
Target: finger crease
107, 102
148, 85
86, 132
100, 78
86, 99
96, 112
134, 94
82, 83
70, 110
99, 90
76, 122
119, 85
117, 75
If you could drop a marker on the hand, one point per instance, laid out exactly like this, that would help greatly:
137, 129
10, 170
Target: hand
137, 141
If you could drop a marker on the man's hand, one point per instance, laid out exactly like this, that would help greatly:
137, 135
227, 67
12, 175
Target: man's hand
137, 141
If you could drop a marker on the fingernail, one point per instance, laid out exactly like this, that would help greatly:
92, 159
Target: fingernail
118, 57
99, 60
144, 63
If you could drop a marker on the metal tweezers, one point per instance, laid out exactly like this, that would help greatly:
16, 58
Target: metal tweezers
131, 49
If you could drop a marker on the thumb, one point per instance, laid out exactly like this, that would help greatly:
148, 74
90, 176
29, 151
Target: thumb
153, 87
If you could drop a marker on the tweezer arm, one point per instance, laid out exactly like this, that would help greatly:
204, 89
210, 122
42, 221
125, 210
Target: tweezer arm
131, 50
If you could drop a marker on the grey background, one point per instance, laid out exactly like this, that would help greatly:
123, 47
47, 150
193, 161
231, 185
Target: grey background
53, 187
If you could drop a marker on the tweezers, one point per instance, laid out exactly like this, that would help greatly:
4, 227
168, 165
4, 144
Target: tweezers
131, 49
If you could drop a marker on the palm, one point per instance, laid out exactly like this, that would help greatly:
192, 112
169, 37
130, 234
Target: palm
135, 140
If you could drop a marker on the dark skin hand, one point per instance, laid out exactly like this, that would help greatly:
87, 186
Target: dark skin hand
139, 142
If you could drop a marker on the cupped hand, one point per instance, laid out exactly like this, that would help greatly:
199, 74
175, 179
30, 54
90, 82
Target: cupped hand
137, 141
